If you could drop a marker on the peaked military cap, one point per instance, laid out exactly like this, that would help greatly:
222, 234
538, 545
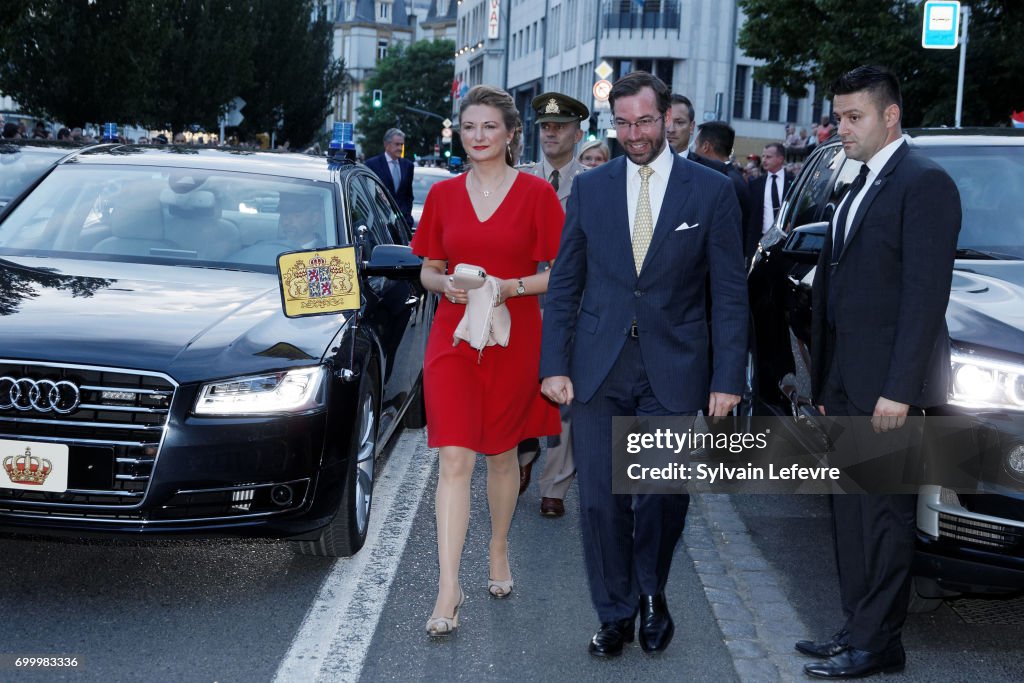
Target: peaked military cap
554, 106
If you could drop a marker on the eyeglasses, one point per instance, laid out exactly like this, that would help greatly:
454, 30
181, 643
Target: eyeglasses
644, 125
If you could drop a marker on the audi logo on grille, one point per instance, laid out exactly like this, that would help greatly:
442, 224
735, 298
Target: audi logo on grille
43, 395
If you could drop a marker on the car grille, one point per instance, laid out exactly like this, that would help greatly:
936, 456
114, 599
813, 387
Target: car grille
113, 434
981, 533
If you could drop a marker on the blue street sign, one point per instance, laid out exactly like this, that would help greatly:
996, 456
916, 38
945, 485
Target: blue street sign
941, 28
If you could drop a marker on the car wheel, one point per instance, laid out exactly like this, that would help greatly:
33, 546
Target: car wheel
746, 409
416, 413
346, 533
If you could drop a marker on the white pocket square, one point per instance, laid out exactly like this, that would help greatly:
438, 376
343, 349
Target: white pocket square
687, 226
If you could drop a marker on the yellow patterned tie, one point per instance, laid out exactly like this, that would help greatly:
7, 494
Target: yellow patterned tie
643, 224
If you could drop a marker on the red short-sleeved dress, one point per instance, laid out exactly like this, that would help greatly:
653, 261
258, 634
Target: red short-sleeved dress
488, 402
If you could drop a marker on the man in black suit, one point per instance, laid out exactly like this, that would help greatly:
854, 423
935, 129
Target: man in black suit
679, 126
766, 193
880, 353
714, 144
394, 171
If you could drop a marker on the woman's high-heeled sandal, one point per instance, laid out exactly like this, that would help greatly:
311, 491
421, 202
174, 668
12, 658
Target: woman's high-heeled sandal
439, 627
499, 589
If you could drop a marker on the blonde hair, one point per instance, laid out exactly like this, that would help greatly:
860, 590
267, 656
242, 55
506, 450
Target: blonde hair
491, 96
595, 144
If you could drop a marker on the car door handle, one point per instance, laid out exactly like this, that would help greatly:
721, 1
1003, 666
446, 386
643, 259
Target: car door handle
412, 300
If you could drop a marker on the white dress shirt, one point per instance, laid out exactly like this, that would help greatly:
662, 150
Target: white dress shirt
656, 184
875, 166
768, 215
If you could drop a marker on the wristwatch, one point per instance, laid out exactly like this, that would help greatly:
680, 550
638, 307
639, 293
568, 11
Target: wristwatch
521, 289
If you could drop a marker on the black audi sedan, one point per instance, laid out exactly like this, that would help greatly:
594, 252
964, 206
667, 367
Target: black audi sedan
150, 382
969, 541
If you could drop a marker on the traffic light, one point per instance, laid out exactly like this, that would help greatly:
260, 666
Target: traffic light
378, 99
594, 127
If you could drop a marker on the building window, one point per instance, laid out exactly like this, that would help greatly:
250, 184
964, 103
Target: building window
570, 24
383, 11
663, 69
757, 101
382, 49
556, 15
739, 95
817, 109
774, 104
793, 111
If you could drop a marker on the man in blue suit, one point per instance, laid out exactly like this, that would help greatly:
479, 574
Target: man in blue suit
626, 333
394, 171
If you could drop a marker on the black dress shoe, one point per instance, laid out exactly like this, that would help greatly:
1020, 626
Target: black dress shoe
524, 476
837, 644
610, 638
656, 627
854, 663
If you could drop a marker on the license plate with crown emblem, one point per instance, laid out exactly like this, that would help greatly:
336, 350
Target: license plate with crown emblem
33, 466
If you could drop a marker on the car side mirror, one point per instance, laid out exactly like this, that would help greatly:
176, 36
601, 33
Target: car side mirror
805, 243
394, 261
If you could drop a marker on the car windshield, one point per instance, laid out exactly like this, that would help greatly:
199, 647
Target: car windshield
19, 168
170, 215
422, 182
991, 184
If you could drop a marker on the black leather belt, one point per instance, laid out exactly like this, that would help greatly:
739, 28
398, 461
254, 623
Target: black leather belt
634, 331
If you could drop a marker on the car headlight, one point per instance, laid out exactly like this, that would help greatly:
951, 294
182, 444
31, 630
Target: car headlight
980, 382
293, 391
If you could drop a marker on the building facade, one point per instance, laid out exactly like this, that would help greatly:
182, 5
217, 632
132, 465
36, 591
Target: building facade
533, 46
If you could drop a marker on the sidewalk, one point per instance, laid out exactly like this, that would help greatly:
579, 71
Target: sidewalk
732, 620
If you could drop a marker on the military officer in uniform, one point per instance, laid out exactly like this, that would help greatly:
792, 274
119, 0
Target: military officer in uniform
559, 117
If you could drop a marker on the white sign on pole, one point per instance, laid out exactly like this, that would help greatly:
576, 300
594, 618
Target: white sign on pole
493, 16
941, 30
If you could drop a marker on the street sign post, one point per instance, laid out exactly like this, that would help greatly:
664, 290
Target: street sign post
941, 25
941, 31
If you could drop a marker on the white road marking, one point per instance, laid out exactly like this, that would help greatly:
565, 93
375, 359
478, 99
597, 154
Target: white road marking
335, 636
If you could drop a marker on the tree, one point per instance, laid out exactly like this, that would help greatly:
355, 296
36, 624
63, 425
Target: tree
205, 62
71, 60
418, 76
296, 76
814, 41
175, 62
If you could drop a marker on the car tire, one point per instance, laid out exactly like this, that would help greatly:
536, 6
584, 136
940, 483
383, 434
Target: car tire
416, 413
346, 532
747, 408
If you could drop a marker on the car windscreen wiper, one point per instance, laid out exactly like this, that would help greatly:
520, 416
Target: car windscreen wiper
967, 252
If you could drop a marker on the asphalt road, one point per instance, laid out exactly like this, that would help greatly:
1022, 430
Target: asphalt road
753, 574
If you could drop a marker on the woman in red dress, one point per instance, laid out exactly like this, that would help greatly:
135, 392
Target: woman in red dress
506, 223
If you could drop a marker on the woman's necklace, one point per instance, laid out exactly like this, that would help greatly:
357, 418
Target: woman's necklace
488, 193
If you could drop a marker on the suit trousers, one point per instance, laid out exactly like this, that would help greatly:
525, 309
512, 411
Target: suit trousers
559, 468
874, 534
628, 540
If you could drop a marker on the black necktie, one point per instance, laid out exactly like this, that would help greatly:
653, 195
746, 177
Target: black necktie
554, 179
839, 225
775, 195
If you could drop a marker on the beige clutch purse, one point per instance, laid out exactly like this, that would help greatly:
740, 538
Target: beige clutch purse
466, 276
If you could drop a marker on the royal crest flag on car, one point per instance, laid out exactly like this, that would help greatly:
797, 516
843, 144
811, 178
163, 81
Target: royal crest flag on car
1017, 119
318, 282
